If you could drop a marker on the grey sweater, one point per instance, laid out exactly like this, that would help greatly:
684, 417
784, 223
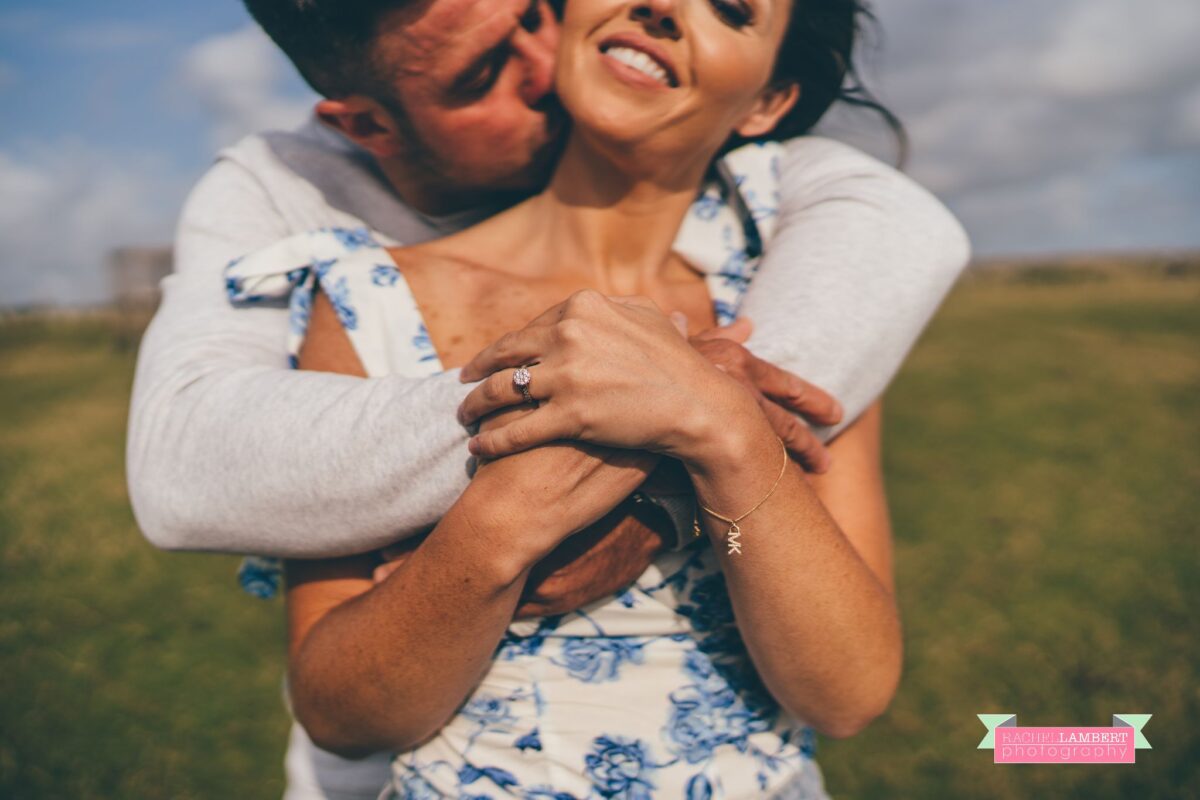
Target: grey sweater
229, 450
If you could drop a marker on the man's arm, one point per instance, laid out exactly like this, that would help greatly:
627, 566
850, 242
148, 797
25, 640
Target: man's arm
223, 439
860, 261
228, 450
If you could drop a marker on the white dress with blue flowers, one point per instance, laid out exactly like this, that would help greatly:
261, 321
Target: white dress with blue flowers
649, 693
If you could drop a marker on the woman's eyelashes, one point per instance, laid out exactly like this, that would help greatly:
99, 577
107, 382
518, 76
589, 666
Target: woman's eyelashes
735, 13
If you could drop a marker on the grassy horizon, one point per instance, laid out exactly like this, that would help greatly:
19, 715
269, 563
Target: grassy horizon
1043, 465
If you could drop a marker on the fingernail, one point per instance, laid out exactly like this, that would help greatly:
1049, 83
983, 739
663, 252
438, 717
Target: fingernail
473, 446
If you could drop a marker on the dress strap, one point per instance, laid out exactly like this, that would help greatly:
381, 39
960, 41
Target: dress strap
361, 281
733, 219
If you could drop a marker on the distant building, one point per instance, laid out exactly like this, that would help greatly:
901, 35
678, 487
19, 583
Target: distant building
135, 273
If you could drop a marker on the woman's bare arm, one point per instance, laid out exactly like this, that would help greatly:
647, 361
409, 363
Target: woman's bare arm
820, 624
812, 588
382, 667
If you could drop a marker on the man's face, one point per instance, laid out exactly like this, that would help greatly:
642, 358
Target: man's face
474, 79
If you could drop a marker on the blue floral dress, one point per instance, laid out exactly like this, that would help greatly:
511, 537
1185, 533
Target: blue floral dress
649, 693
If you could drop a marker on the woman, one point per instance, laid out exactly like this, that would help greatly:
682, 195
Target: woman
717, 653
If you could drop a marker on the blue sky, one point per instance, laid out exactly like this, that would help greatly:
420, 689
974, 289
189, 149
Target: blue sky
112, 74
1046, 125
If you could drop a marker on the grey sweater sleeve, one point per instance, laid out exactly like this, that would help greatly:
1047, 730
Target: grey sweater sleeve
229, 450
860, 261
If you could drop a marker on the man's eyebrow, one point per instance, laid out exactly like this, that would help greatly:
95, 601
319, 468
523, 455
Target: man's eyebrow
493, 52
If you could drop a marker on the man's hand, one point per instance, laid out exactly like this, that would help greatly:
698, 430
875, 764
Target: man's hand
574, 480
595, 563
781, 394
592, 564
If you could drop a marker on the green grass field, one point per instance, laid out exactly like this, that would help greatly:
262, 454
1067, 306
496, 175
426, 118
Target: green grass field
1043, 460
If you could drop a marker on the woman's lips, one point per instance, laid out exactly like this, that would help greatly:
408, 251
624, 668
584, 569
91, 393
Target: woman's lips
640, 60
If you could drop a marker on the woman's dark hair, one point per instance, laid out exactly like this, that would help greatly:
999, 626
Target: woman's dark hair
817, 54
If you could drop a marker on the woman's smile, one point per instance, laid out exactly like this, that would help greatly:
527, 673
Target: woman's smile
639, 60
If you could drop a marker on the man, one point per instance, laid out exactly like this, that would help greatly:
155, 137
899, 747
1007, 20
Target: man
436, 113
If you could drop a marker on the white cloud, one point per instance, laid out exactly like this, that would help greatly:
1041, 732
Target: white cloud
1021, 112
1105, 48
65, 204
63, 207
237, 80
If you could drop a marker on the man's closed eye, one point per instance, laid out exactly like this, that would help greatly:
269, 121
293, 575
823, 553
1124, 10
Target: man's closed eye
479, 79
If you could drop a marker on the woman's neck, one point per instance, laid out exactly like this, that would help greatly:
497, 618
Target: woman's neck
611, 224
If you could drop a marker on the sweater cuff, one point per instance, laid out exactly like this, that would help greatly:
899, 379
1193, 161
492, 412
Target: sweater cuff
680, 509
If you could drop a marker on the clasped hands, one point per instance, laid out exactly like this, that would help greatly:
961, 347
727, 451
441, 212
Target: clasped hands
619, 384
616, 371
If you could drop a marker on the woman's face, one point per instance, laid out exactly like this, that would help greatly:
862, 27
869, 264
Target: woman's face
677, 76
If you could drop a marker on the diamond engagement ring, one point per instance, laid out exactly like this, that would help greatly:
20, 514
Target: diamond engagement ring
521, 379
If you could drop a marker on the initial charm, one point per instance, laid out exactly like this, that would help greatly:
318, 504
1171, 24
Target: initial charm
732, 539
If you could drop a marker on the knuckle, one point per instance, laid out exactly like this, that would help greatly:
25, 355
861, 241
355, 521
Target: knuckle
571, 331
584, 301
579, 419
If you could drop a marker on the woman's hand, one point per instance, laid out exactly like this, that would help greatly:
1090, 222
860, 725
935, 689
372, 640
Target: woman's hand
612, 371
618, 372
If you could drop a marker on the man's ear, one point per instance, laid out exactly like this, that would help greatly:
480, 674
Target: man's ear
363, 121
769, 108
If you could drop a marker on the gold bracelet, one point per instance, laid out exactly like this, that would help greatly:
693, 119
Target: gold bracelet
734, 532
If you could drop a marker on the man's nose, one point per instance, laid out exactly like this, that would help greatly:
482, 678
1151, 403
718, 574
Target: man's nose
537, 50
659, 17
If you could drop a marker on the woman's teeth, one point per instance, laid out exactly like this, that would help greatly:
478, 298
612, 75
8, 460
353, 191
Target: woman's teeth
639, 61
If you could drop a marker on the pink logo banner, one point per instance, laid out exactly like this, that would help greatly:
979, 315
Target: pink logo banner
1064, 745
